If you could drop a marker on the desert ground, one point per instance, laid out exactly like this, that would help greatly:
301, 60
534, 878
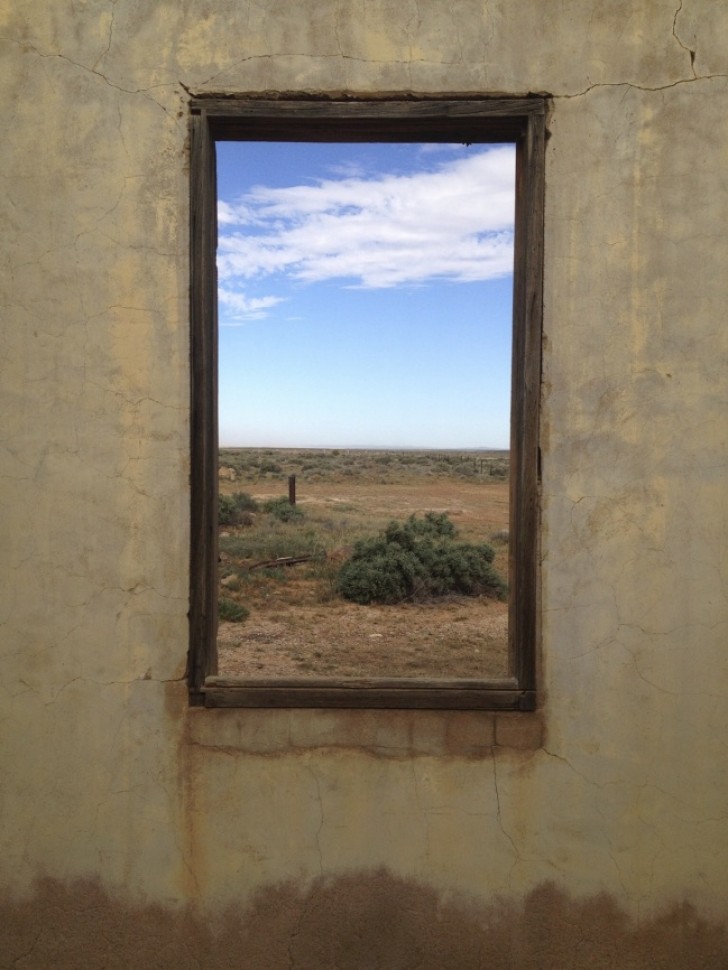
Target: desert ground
292, 622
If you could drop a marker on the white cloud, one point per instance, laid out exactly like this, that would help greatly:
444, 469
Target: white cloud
454, 222
226, 215
241, 307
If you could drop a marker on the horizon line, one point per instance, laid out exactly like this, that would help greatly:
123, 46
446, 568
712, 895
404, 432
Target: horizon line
453, 448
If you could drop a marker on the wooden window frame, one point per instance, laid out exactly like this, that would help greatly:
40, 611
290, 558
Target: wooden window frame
520, 121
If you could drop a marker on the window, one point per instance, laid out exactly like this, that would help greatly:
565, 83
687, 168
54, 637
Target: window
519, 122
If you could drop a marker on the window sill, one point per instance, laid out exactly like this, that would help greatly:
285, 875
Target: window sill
500, 695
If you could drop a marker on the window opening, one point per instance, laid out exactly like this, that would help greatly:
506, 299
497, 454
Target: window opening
367, 294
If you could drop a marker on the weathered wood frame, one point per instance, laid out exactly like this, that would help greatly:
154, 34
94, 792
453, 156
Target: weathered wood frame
517, 120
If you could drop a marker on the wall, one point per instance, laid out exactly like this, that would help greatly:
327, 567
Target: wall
139, 832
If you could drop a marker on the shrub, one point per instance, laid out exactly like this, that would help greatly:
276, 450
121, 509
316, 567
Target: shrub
234, 509
281, 508
231, 611
418, 559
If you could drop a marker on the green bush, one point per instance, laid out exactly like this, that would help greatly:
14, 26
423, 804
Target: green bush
281, 509
231, 611
232, 509
418, 559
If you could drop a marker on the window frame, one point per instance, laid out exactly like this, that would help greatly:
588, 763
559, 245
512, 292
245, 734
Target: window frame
520, 121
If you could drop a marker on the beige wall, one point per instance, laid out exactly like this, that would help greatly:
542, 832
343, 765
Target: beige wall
590, 834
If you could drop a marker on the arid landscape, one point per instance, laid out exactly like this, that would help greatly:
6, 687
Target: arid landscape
281, 611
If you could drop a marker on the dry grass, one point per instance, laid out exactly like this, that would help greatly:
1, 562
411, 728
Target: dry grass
297, 626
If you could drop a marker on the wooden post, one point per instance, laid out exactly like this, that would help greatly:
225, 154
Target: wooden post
292, 489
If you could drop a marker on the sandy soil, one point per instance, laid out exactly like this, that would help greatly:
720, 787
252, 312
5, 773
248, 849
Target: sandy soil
460, 638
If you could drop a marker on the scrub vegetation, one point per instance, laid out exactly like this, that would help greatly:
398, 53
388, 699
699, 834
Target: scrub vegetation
418, 560
368, 574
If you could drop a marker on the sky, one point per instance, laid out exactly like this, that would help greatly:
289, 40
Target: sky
365, 294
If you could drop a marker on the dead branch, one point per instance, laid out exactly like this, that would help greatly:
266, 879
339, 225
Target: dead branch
285, 561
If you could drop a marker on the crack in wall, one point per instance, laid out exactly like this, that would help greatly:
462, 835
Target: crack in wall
633, 653
301, 927
144, 92
110, 35
636, 87
689, 50
408, 63
580, 774
22, 957
321, 817
499, 817
312, 58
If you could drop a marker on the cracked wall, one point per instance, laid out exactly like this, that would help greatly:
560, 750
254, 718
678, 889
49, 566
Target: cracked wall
614, 791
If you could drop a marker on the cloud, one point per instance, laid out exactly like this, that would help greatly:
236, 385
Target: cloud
241, 307
226, 215
453, 222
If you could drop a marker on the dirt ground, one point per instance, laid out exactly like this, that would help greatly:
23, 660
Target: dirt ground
459, 639
293, 631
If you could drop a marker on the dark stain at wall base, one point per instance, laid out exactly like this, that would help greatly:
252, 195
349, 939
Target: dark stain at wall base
366, 921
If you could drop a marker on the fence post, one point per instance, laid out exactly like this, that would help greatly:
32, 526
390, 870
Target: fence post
292, 489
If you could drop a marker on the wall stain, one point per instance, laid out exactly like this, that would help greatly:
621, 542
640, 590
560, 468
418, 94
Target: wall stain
361, 921
398, 735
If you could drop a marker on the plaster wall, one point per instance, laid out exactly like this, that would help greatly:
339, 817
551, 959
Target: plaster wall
139, 832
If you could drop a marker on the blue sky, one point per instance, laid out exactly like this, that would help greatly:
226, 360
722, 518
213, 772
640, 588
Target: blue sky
365, 294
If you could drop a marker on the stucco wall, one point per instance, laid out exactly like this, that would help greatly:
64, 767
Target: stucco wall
135, 829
